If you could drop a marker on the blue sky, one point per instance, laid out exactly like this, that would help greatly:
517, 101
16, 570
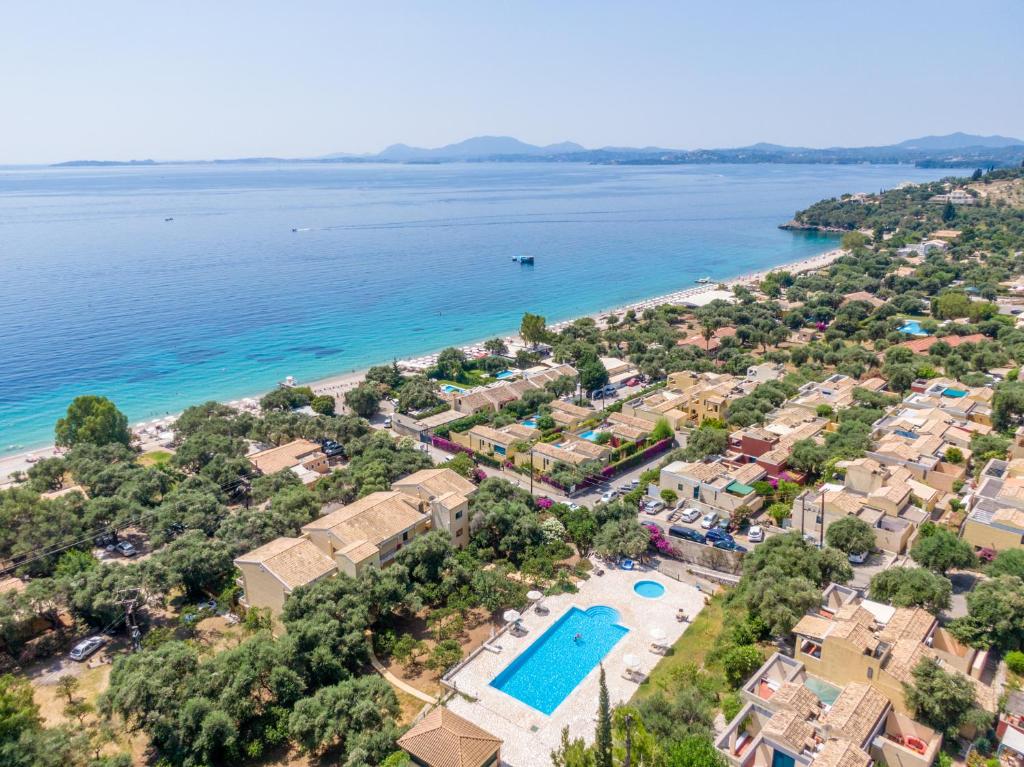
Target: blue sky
186, 79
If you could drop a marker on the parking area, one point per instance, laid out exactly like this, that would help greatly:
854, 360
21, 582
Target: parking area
702, 527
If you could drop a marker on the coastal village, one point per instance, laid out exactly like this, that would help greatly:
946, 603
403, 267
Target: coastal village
771, 522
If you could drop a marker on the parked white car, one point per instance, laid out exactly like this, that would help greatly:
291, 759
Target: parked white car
857, 558
653, 507
709, 520
690, 515
85, 648
755, 534
608, 496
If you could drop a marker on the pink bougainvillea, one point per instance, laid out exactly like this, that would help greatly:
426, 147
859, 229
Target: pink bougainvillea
659, 541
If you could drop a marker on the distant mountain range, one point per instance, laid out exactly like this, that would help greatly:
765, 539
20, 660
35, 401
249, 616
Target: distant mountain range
956, 150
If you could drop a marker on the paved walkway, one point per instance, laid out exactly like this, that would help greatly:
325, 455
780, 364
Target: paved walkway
395, 681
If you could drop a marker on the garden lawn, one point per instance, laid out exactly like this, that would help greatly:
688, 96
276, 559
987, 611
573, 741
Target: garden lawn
155, 458
692, 648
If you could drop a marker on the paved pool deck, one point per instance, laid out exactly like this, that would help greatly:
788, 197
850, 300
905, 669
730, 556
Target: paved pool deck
529, 736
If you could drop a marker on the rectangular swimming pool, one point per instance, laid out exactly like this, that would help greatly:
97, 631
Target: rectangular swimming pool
558, 660
825, 692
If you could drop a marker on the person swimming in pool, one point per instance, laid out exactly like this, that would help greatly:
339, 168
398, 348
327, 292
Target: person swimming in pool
578, 637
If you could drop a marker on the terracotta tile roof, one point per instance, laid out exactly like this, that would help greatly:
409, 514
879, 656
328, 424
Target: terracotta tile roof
629, 420
921, 345
445, 739
374, 518
284, 456
904, 656
790, 729
908, 623
812, 626
857, 635
841, 753
863, 295
846, 502
437, 482
852, 611
856, 711
797, 698
293, 561
570, 408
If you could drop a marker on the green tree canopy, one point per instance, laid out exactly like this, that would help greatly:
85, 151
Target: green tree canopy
363, 400
995, 615
93, 420
533, 328
938, 698
851, 535
939, 550
912, 587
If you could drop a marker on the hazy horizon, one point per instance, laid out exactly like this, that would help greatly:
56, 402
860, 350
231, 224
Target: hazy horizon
193, 81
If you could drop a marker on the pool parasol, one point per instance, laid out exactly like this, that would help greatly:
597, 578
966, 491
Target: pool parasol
658, 635
511, 616
533, 596
632, 662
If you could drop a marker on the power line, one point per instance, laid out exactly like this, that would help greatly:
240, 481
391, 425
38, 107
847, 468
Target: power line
45, 552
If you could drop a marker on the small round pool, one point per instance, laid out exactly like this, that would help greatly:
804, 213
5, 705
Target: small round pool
649, 589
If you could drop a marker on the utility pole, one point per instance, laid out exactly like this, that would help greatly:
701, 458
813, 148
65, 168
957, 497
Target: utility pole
129, 602
821, 529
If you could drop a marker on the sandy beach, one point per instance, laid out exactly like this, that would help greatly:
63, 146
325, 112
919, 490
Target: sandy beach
153, 433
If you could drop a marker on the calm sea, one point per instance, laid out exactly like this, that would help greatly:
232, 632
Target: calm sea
100, 294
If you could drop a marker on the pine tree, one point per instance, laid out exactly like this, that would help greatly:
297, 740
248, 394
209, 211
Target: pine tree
949, 212
603, 739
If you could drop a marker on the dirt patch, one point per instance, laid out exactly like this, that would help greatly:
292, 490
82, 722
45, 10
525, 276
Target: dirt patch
91, 682
409, 707
478, 627
1009, 191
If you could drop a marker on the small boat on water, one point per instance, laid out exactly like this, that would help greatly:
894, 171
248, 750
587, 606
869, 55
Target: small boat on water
300, 228
526, 260
702, 280
169, 218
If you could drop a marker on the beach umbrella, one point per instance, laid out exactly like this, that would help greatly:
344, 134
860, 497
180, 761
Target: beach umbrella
511, 616
632, 662
533, 596
658, 635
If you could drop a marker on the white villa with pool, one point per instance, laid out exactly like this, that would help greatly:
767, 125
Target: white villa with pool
524, 689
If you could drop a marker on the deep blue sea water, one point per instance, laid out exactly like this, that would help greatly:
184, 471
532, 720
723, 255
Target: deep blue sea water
99, 294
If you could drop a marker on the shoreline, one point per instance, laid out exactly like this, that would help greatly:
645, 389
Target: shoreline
336, 385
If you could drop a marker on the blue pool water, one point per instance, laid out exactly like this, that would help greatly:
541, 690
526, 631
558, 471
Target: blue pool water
549, 669
531, 422
649, 589
590, 434
825, 692
954, 393
450, 389
505, 374
913, 328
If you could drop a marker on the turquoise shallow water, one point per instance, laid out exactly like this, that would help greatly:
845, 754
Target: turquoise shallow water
99, 294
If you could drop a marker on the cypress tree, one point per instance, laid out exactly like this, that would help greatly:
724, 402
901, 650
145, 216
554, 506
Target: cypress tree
603, 739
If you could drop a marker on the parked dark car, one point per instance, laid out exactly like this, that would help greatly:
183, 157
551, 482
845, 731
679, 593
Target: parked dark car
687, 534
333, 449
730, 545
717, 534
